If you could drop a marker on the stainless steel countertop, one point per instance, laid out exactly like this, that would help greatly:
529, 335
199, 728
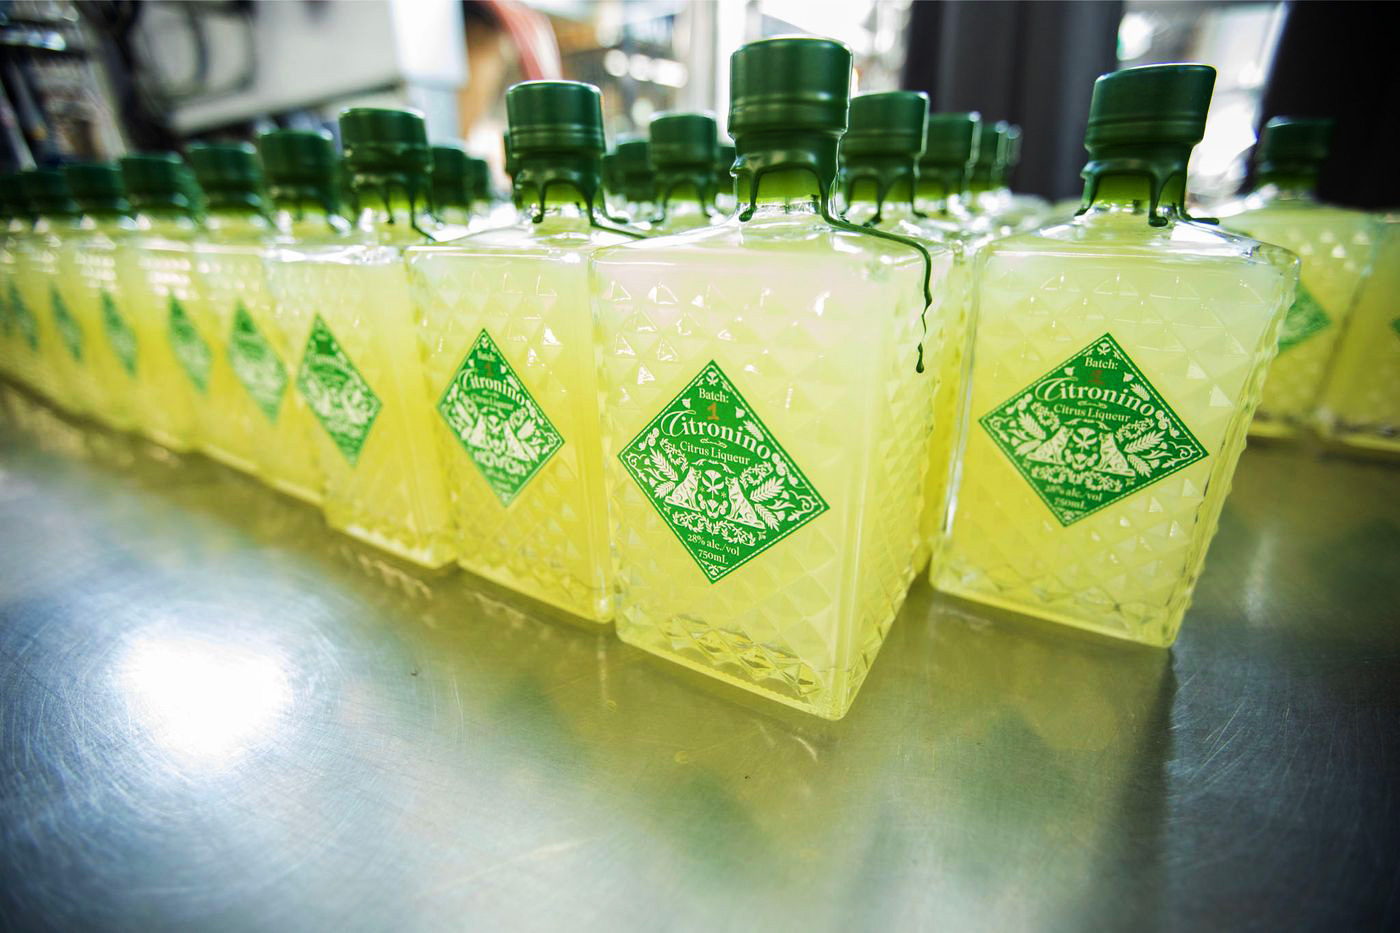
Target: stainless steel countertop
216, 713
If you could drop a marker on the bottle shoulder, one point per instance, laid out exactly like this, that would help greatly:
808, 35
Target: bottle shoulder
793, 237
552, 237
1130, 237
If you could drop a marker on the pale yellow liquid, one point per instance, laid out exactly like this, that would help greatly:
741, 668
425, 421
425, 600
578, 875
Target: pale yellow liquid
817, 328
92, 273
288, 446
43, 364
1361, 394
1198, 312
10, 337
527, 286
945, 347
155, 264
395, 495
229, 267
1335, 246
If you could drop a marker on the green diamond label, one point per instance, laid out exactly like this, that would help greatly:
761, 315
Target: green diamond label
191, 350
718, 477
1090, 432
1395, 326
1304, 318
497, 421
119, 334
24, 320
255, 363
68, 329
336, 392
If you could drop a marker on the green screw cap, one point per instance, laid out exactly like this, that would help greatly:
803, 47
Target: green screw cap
11, 200
449, 175
890, 123
725, 160
555, 116
1150, 104
952, 138
156, 179
302, 157
633, 157
793, 83
1294, 142
46, 191
991, 143
97, 187
380, 140
512, 163
228, 173
684, 139
478, 179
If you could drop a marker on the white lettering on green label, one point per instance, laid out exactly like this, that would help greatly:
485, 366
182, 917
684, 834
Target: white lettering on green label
337, 394
255, 363
718, 477
497, 420
1090, 432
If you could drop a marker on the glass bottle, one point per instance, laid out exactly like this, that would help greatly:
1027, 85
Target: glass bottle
637, 180
1020, 212
945, 167
14, 223
1115, 364
1334, 244
452, 199
764, 488
301, 169
724, 179
507, 343
880, 153
155, 268
683, 150
361, 372
50, 347
94, 293
1360, 406
241, 386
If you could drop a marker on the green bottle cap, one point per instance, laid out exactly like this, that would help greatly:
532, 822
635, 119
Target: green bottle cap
990, 146
789, 83
889, 123
46, 191
1150, 104
382, 141
555, 116
787, 108
449, 175
684, 140
156, 180
1142, 123
724, 161
635, 170
98, 188
1293, 145
301, 166
612, 173
228, 174
512, 163
951, 140
478, 179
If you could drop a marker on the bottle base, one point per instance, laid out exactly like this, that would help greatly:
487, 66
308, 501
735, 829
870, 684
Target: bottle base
229, 459
311, 496
1157, 636
432, 557
600, 612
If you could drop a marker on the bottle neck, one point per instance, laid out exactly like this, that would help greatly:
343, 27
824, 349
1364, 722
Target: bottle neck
1146, 179
1288, 182
392, 203
559, 184
685, 191
784, 170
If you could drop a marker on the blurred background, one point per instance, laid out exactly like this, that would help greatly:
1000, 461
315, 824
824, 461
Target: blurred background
96, 78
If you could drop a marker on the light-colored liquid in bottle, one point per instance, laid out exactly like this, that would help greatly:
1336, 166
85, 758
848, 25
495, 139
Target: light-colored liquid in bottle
1361, 394
1114, 369
508, 351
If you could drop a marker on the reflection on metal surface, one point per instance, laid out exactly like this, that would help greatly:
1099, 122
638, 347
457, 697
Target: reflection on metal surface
202, 700
216, 713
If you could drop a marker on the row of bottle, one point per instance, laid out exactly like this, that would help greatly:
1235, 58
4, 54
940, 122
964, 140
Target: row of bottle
741, 441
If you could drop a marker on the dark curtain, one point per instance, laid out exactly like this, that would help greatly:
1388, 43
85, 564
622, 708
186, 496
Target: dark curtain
1338, 60
1028, 62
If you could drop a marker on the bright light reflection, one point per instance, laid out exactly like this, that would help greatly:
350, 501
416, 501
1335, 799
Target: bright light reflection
203, 701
